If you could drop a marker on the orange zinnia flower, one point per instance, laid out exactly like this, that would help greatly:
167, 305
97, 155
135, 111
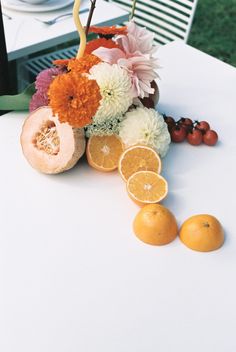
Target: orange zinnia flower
81, 65
75, 98
113, 30
84, 64
61, 62
97, 43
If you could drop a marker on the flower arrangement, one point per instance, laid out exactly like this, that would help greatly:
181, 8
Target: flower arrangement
108, 90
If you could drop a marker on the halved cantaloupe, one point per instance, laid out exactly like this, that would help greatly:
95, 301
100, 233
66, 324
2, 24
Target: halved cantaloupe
50, 146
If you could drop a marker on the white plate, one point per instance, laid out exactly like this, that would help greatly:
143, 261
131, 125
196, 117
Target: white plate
44, 7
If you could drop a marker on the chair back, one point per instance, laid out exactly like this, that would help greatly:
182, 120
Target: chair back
4, 81
167, 19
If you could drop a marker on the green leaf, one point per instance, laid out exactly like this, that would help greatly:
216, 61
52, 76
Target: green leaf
17, 102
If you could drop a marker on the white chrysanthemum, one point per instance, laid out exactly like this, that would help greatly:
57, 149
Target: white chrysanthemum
107, 128
147, 127
115, 88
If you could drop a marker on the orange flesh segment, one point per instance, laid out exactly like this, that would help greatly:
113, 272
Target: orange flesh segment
139, 159
105, 151
147, 187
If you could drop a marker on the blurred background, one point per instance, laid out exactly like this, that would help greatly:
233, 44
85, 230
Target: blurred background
214, 29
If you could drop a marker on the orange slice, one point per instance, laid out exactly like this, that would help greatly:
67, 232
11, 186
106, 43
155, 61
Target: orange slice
103, 152
139, 158
147, 187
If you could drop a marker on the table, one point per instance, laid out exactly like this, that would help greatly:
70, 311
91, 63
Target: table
25, 35
73, 277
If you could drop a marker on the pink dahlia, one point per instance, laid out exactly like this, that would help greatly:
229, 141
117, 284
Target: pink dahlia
45, 78
141, 69
38, 100
135, 56
142, 72
137, 41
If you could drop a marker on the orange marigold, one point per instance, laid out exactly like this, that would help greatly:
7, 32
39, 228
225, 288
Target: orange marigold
97, 43
84, 64
61, 62
113, 30
75, 98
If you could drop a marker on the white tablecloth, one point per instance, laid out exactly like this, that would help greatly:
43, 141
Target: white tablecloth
73, 277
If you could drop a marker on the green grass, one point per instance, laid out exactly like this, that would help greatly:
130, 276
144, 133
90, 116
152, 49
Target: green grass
214, 29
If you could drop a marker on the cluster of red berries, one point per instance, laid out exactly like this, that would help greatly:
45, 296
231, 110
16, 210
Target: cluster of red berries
194, 131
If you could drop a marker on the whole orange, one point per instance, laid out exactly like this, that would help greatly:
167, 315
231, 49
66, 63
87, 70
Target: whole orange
202, 233
155, 224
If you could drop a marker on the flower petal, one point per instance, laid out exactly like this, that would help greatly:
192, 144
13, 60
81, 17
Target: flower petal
110, 56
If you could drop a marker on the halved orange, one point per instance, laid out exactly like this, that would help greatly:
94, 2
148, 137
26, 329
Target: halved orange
147, 187
138, 158
202, 233
156, 225
103, 152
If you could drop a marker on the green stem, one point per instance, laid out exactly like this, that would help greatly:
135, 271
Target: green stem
133, 10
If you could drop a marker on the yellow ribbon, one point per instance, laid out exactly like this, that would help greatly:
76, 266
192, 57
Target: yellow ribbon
80, 29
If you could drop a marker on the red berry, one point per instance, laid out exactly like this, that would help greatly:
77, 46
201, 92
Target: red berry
187, 128
169, 120
210, 137
202, 126
194, 137
186, 121
178, 134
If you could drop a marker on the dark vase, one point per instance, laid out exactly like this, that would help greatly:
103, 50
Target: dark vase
151, 101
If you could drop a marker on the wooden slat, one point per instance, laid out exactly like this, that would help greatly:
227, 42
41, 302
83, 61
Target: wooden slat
175, 32
160, 39
176, 6
186, 2
157, 29
144, 20
170, 18
161, 5
171, 3
124, 4
155, 13
166, 10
